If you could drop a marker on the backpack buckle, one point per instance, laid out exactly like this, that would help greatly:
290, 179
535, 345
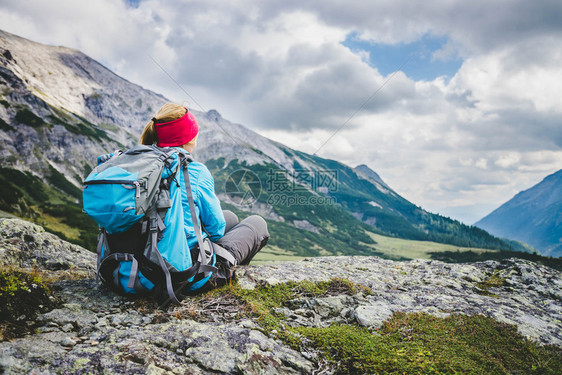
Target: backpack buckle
153, 225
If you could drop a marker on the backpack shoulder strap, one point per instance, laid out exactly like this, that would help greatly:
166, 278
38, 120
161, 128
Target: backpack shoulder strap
205, 250
211, 249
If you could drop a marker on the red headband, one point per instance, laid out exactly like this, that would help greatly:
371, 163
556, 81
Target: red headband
177, 132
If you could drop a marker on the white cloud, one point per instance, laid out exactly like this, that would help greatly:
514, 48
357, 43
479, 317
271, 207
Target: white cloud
509, 159
473, 141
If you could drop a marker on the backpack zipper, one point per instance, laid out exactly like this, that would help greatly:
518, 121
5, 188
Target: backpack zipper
136, 184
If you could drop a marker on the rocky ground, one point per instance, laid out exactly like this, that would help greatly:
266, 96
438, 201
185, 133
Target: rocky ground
91, 330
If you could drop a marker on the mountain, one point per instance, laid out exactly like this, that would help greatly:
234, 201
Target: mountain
60, 109
366, 172
533, 216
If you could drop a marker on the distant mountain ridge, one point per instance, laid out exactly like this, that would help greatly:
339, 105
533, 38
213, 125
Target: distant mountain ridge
370, 174
60, 109
533, 216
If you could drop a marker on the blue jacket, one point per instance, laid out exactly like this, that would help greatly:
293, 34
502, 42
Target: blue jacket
207, 205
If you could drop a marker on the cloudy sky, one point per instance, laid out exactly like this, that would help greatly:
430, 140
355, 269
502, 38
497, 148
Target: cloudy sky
469, 104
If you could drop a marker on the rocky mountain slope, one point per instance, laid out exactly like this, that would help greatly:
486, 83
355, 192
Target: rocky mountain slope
87, 329
60, 109
533, 216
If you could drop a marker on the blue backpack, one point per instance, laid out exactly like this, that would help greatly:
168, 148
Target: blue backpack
135, 197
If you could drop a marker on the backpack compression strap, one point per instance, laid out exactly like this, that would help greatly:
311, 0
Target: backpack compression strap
202, 250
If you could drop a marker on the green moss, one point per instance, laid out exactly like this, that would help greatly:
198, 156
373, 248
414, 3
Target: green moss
12, 282
266, 297
258, 303
408, 343
22, 296
423, 344
494, 281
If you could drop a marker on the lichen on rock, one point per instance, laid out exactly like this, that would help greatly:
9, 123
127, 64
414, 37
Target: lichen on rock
26, 245
527, 289
270, 320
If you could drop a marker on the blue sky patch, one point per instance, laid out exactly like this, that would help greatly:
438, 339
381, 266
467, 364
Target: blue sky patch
133, 3
387, 58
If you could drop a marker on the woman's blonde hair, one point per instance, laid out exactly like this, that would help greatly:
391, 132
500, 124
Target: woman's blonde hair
168, 112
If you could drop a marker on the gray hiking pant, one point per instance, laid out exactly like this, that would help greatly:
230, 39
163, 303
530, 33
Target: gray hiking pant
245, 238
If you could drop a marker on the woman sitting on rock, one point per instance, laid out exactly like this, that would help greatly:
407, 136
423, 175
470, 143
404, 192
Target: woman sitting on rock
174, 126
